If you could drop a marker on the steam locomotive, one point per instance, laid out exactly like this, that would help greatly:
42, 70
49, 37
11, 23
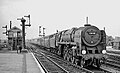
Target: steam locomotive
82, 46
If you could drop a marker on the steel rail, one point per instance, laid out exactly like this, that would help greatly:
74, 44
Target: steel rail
54, 62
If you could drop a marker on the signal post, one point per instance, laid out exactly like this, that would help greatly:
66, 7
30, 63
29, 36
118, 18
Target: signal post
43, 33
23, 29
23, 32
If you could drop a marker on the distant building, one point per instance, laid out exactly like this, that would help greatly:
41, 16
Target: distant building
3, 43
116, 43
109, 40
14, 37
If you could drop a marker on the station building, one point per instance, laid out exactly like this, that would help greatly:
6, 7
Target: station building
14, 37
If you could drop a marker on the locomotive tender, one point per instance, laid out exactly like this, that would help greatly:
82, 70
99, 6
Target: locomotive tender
82, 46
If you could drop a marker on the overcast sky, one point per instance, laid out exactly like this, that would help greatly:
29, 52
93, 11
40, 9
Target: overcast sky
61, 14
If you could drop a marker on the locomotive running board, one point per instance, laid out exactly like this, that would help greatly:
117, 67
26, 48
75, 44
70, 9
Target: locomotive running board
67, 43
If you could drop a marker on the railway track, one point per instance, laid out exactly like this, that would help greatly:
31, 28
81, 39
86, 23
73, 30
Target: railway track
47, 61
97, 70
113, 61
68, 66
48, 65
91, 69
113, 64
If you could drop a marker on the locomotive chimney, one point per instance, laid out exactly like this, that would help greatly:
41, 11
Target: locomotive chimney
87, 22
